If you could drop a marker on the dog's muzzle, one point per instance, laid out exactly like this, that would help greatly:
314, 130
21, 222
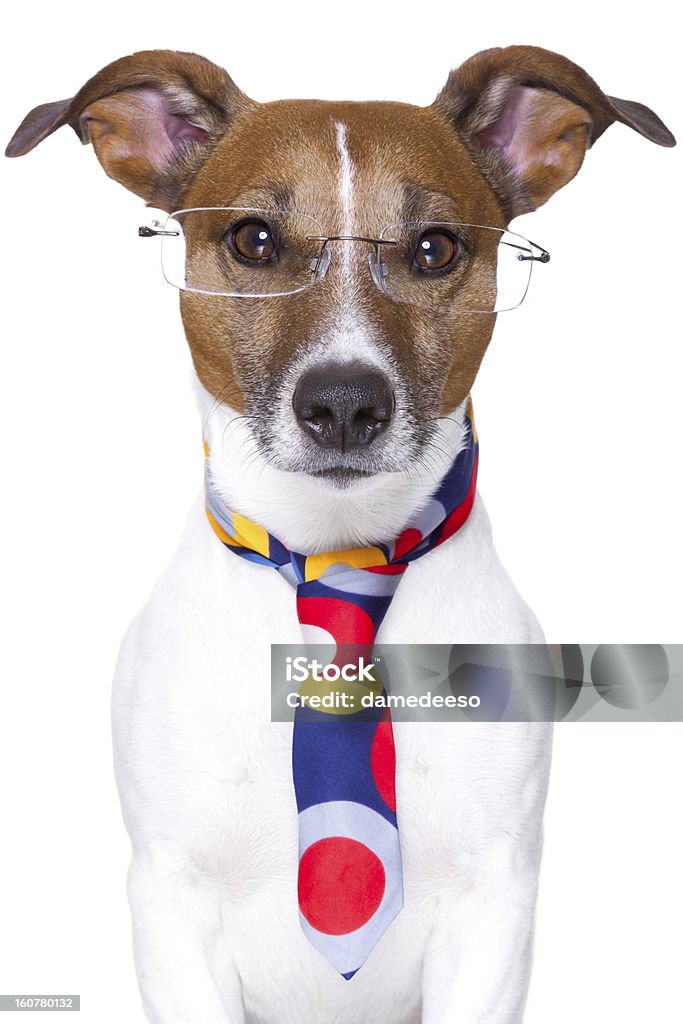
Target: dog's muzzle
343, 406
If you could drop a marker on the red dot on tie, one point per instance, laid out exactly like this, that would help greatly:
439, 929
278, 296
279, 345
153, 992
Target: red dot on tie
406, 542
347, 622
383, 763
341, 884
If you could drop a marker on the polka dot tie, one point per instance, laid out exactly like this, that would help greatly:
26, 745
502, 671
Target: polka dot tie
350, 885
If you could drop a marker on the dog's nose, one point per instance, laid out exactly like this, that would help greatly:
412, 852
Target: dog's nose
343, 406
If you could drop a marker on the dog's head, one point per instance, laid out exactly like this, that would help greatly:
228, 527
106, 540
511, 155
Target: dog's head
350, 377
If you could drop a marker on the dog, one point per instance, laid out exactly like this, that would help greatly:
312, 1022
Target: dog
334, 401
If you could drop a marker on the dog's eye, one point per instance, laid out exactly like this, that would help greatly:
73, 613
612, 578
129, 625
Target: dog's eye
436, 250
252, 240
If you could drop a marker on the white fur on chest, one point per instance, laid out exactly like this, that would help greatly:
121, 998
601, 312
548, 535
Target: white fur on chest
205, 777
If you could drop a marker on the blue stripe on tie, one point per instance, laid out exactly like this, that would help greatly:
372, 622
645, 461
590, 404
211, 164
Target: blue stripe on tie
325, 769
251, 556
278, 552
299, 563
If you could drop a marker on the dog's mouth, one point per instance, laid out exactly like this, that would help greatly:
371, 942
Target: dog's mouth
341, 476
336, 469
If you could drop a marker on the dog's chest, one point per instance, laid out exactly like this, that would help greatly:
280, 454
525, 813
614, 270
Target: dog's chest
204, 772
229, 802
237, 817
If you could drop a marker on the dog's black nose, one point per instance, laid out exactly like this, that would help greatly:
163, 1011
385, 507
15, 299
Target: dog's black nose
343, 406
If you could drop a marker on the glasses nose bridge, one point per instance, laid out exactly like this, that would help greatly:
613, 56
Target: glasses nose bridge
374, 255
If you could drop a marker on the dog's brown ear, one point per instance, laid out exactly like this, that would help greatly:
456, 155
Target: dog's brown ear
152, 118
529, 115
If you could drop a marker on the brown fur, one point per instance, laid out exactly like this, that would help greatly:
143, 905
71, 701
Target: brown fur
510, 127
475, 96
390, 145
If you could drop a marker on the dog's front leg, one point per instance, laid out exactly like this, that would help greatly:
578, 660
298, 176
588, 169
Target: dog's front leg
477, 972
174, 925
477, 960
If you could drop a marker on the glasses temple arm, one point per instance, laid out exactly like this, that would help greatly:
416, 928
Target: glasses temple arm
544, 254
152, 232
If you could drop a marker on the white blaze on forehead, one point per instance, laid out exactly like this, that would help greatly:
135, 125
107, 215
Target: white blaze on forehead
345, 190
348, 338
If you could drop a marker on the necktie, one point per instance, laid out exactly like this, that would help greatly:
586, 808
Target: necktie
350, 884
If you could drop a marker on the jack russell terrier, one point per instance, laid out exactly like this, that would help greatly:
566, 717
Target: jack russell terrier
340, 267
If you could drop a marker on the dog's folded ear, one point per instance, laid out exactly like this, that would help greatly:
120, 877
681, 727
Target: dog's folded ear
152, 118
529, 115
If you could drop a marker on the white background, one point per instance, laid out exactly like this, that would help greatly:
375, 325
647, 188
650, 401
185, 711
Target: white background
579, 413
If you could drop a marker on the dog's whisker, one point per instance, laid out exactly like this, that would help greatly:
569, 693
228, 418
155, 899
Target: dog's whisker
249, 439
450, 418
231, 422
252, 456
218, 402
270, 461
